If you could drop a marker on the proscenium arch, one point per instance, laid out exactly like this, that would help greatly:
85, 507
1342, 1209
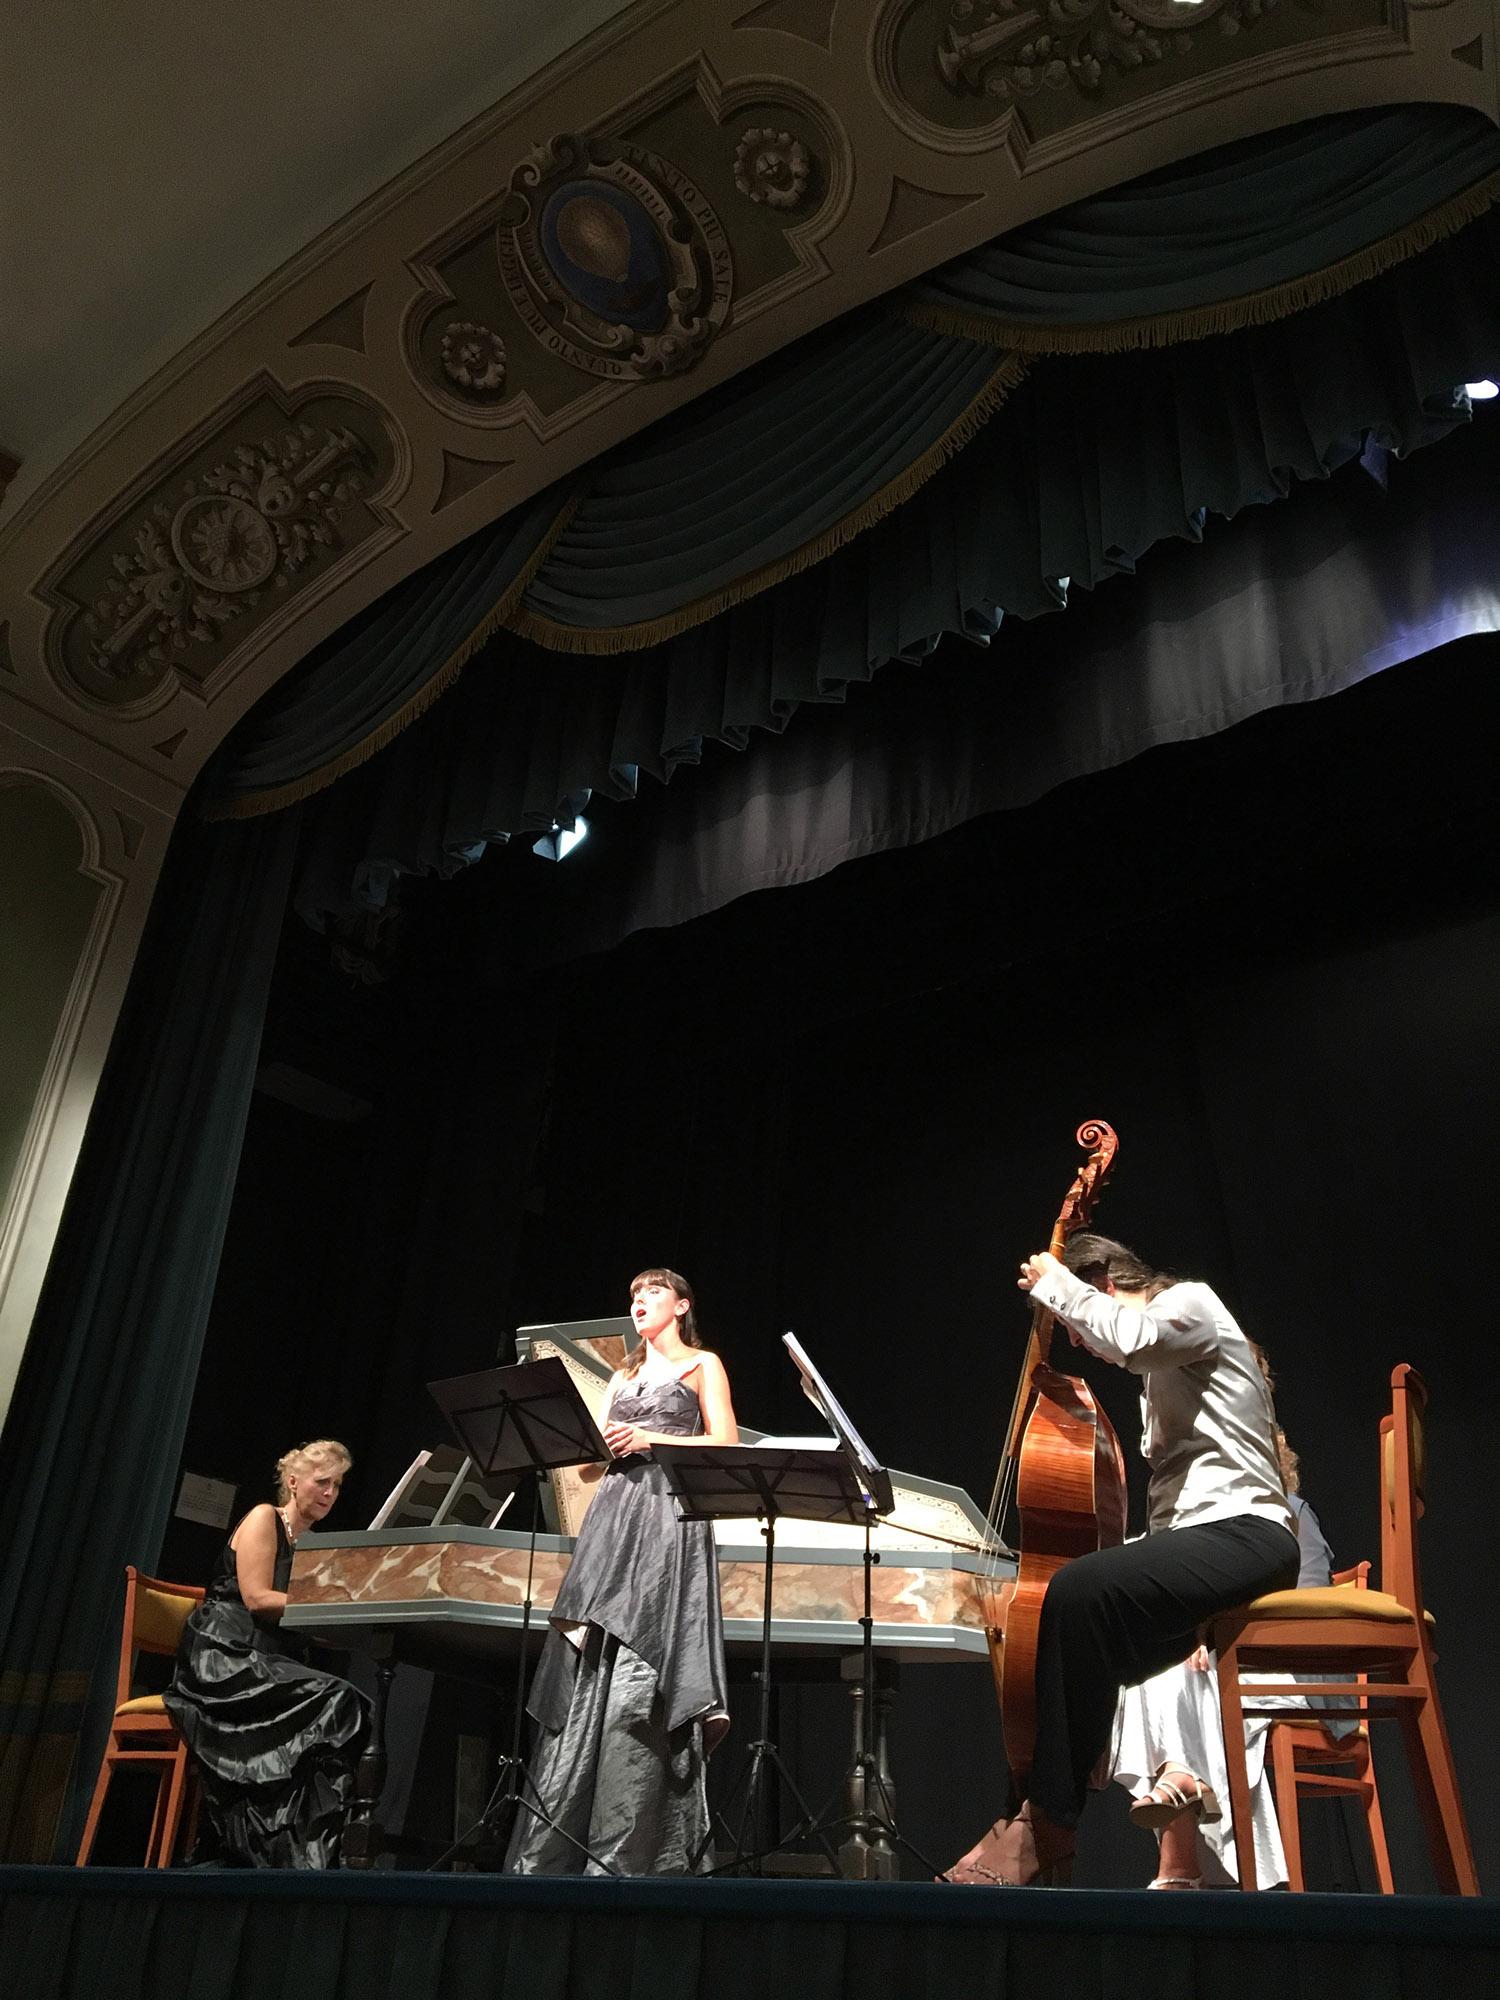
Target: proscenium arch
911, 166
57, 911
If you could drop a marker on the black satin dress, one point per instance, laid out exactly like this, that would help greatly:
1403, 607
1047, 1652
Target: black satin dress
275, 1740
632, 1669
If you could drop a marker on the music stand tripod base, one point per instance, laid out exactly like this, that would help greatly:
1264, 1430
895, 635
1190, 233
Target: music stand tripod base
864, 1777
728, 1482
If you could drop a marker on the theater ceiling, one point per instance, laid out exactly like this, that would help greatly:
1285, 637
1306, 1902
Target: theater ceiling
300, 296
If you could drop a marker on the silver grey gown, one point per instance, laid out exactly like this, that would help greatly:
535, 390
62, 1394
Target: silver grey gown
620, 1704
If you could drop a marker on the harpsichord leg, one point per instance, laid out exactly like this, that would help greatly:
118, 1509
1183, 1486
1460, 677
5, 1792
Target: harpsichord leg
364, 1836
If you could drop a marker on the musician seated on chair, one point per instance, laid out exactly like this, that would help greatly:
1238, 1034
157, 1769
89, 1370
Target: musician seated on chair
1220, 1533
1169, 1742
275, 1739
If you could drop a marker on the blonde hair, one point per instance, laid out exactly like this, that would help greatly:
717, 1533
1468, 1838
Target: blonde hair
319, 1451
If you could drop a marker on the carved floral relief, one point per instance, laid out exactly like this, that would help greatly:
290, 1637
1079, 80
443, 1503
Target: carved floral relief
173, 582
251, 522
960, 70
473, 357
1007, 48
772, 167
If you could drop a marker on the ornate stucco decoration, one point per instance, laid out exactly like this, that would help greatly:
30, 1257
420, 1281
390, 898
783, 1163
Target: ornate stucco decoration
502, 312
1007, 48
249, 523
772, 167
614, 258
274, 498
474, 357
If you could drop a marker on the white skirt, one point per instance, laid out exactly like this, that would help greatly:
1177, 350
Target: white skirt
1174, 1718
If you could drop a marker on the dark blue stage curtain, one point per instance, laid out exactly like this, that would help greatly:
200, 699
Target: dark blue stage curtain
362, 688
90, 1449
407, 1937
757, 482
1094, 460
763, 477
1286, 604
770, 472
1233, 237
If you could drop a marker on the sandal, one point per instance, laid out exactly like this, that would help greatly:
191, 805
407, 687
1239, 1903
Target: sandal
1176, 1882
973, 1875
1011, 1847
1176, 1791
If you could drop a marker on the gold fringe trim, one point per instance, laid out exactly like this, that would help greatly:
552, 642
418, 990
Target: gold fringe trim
1228, 315
562, 638
252, 805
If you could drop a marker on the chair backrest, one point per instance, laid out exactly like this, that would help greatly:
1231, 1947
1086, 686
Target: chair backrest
1403, 1479
155, 1613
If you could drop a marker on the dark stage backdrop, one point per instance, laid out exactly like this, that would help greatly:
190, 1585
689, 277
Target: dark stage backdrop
1271, 959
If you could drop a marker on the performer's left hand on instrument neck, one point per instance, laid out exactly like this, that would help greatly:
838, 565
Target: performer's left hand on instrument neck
1041, 1264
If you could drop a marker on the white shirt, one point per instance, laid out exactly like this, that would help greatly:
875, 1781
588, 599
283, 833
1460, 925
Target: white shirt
1208, 1430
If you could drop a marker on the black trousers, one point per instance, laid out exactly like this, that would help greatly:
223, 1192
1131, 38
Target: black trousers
1118, 1616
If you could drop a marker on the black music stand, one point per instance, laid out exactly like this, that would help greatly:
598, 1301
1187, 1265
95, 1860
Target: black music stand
727, 1482
525, 1418
864, 1781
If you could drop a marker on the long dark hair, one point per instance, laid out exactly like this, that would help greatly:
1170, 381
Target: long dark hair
687, 1326
1091, 1257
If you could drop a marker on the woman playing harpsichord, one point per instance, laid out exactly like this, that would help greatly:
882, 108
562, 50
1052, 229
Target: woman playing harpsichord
1220, 1533
630, 1693
274, 1738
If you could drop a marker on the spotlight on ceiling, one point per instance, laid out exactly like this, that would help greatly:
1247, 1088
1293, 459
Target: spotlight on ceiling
560, 842
1481, 392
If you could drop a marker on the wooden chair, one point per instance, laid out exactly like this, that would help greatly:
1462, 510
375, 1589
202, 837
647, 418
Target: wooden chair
1309, 1761
1385, 1634
141, 1731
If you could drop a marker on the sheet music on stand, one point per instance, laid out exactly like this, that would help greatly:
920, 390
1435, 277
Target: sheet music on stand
873, 1475
525, 1418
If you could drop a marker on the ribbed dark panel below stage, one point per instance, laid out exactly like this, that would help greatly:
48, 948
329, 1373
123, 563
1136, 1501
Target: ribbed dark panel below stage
117, 1934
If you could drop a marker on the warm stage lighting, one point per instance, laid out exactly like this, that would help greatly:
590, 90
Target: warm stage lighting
1481, 392
560, 842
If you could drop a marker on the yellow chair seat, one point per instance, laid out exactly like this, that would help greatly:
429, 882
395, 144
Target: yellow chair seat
1334, 1602
143, 1704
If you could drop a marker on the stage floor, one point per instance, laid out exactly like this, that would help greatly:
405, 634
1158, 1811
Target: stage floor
129, 1934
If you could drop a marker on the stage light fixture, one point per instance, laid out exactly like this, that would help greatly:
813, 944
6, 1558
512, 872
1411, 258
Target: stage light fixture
1482, 391
560, 842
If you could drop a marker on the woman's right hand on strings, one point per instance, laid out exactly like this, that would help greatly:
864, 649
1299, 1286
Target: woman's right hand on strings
623, 1439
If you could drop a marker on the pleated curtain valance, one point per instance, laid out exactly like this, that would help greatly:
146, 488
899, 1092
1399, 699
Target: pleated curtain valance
1094, 460
795, 530
1237, 237
1286, 605
762, 479
350, 697
757, 481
